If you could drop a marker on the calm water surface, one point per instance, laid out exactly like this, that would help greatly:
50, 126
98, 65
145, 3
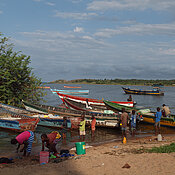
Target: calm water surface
107, 92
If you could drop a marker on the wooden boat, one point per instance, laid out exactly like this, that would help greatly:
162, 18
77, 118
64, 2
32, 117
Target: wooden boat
167, 122
146, 116
143, 92
118, 107
91, 101
16, 122
82, 107
73, 92
44, 120
72, 86
103, 120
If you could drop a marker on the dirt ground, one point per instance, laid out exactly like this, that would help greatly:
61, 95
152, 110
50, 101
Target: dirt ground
113, 158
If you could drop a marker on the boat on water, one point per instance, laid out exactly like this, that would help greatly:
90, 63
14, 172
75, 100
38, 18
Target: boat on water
145, 115
72, 86
155, 91
73, 92
103, 120
92, 102
17, 122
82, 107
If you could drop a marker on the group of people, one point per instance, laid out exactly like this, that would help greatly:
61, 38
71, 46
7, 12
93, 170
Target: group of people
132, 119
50, 140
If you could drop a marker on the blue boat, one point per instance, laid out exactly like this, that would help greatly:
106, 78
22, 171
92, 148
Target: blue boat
143, 92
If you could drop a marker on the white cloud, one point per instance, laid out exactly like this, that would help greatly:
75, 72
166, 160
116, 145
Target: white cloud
50, 3
80, 16
37, 0
131, 5
78, 29
139, 29
167, 51
1, 12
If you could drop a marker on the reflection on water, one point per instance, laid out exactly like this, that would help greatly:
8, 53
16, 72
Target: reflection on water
101, 135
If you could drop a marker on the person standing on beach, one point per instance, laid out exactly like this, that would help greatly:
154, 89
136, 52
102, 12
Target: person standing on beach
165, 111
50, 141
158, 116
64, 127
26, 138
82, 128
124, 122
93, 123
133, 122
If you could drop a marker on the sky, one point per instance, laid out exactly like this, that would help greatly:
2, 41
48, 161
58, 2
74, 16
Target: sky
96, 39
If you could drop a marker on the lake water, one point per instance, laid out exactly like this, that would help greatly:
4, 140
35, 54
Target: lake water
106, 92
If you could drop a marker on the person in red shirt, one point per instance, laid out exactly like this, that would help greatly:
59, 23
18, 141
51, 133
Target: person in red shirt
93, 123
50, 141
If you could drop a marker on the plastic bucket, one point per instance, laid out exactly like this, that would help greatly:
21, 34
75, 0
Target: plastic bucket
44, 157
80, 148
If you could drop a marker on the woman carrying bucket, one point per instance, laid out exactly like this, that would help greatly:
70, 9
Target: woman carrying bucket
50, 141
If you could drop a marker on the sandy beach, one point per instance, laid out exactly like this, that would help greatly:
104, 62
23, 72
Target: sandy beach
107, 159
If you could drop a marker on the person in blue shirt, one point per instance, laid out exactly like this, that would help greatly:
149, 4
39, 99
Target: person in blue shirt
158, 116
133, 122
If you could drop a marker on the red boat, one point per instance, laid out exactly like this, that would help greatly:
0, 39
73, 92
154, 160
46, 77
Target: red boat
90, 101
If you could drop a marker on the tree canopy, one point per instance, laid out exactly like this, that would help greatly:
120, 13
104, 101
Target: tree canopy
17, 82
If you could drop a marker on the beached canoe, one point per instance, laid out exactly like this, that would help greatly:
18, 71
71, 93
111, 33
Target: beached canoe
16, 122
82, 107
103, 120
149, 118
143, 92
91, 101
118, 107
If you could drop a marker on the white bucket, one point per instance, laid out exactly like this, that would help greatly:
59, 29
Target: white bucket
159, 137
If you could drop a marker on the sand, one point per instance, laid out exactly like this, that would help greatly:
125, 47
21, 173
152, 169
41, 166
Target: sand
113, 158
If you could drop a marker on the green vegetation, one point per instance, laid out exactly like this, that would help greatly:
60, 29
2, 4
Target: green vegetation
163, 149
117, 82
17, 82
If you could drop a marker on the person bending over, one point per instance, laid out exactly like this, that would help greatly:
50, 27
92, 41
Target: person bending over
50, 141
26, 138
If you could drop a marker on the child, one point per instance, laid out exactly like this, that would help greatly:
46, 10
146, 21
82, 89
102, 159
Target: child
51, 141
82, 127
133, 122
26, 138
158, 116
93, 123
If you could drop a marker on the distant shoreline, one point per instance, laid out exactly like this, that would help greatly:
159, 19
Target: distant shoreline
121, 82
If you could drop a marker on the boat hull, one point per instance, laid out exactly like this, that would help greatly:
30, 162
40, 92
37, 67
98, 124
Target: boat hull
142, 92
91, 101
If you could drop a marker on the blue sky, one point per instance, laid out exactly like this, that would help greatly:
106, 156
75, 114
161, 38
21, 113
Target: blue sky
72, 39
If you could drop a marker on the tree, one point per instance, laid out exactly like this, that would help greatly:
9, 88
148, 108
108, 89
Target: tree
17, 82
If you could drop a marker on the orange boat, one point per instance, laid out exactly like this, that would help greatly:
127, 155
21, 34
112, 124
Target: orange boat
72, 86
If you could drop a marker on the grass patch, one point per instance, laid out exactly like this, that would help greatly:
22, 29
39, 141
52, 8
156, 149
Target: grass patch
163, 149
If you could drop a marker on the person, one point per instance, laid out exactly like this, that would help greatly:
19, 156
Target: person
133, 122
26, 138
87, 105
64, 127
93, 123
158, 116
130, 98
124, 122
165, 111
82, 127
50, 141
